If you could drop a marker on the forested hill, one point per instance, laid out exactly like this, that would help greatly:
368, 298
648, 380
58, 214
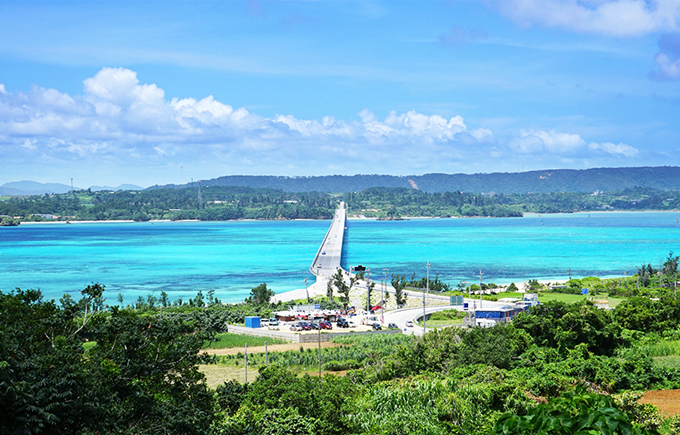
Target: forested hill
545, 181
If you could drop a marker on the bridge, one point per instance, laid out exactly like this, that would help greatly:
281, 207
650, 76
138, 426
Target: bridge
328, 257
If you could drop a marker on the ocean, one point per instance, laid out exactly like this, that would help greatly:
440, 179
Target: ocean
181, 258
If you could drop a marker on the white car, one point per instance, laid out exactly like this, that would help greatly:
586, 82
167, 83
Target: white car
352, 324
409, 324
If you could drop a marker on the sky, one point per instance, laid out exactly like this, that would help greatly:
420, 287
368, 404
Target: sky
158, 92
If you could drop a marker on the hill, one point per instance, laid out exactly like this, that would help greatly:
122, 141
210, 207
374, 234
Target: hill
544, 181
16, 188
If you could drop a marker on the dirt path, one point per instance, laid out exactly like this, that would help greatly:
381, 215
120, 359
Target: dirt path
272, 348
666, 400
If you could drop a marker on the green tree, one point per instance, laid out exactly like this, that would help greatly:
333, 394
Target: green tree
260, 295
399, 283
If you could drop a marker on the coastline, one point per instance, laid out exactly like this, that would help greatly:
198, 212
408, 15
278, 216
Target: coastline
355, 217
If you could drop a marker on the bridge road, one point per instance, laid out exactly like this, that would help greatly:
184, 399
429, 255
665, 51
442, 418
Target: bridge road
329, 255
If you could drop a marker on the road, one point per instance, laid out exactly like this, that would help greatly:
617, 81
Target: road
329, 256
400, 317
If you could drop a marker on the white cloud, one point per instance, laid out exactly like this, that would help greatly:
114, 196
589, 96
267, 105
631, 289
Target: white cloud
618, 18
669, 69
536, 141
2, 89
118, 122
483, 135
617, 150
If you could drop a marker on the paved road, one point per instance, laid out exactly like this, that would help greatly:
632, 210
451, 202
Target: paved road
329, 255
400, 317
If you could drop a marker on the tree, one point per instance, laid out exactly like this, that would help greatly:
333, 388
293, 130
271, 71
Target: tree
260, 295
399, 284
141, 377
512, 287
329, 290
343, 288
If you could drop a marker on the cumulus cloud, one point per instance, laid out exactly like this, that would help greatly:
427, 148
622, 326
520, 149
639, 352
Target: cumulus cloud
668, 58
120, 121
618, 18
535, 141
613, 149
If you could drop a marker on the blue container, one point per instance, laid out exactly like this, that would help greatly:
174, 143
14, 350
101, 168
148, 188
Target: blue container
252, 322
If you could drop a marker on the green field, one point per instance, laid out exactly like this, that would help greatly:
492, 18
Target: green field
228, 340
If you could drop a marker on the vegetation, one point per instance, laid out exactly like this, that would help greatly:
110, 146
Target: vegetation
557, 180
559, 368
227, 340
217, 203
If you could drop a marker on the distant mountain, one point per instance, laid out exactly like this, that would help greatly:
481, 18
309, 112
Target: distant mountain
116, 189
16, 188
545, 181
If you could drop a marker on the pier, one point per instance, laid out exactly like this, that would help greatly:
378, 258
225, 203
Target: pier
328, 257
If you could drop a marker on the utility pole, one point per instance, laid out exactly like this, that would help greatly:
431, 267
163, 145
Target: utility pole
319, 353
306, 291
427, 266
368, 291
480, 288
384, 302
570, 274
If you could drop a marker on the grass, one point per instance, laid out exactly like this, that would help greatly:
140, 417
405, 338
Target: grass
228, 340
671, 362
436, 323
445, 318
662, 349
560, 297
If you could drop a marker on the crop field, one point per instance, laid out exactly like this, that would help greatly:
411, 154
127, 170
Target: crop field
228, 340
352, 353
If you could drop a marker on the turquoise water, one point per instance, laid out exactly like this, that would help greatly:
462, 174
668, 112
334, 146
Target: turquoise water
232, 257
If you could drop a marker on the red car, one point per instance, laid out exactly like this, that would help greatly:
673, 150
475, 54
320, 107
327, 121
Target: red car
325, 324
376, 308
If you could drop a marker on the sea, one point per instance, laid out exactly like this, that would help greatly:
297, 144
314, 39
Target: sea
135, 259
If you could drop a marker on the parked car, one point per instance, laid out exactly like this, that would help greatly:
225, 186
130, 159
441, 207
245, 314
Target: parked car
273, 327
295, 327
325, 324
352, 324
376, 308
392, 326
342, 323
305, 326
376, 327
409, 324
314, 326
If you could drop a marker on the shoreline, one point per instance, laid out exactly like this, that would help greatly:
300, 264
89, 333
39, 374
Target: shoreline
349, 218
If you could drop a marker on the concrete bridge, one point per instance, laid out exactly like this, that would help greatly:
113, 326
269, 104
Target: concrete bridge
329, 255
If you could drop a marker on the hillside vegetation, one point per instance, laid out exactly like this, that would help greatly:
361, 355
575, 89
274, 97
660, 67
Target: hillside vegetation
544, 181
219, 203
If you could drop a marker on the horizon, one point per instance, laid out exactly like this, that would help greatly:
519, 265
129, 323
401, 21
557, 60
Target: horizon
110, 94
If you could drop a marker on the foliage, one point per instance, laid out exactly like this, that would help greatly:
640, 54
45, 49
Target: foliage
142, 376
575, 412
260, 295
399, 284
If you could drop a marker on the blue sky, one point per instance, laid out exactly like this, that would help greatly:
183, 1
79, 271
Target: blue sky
160, 92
